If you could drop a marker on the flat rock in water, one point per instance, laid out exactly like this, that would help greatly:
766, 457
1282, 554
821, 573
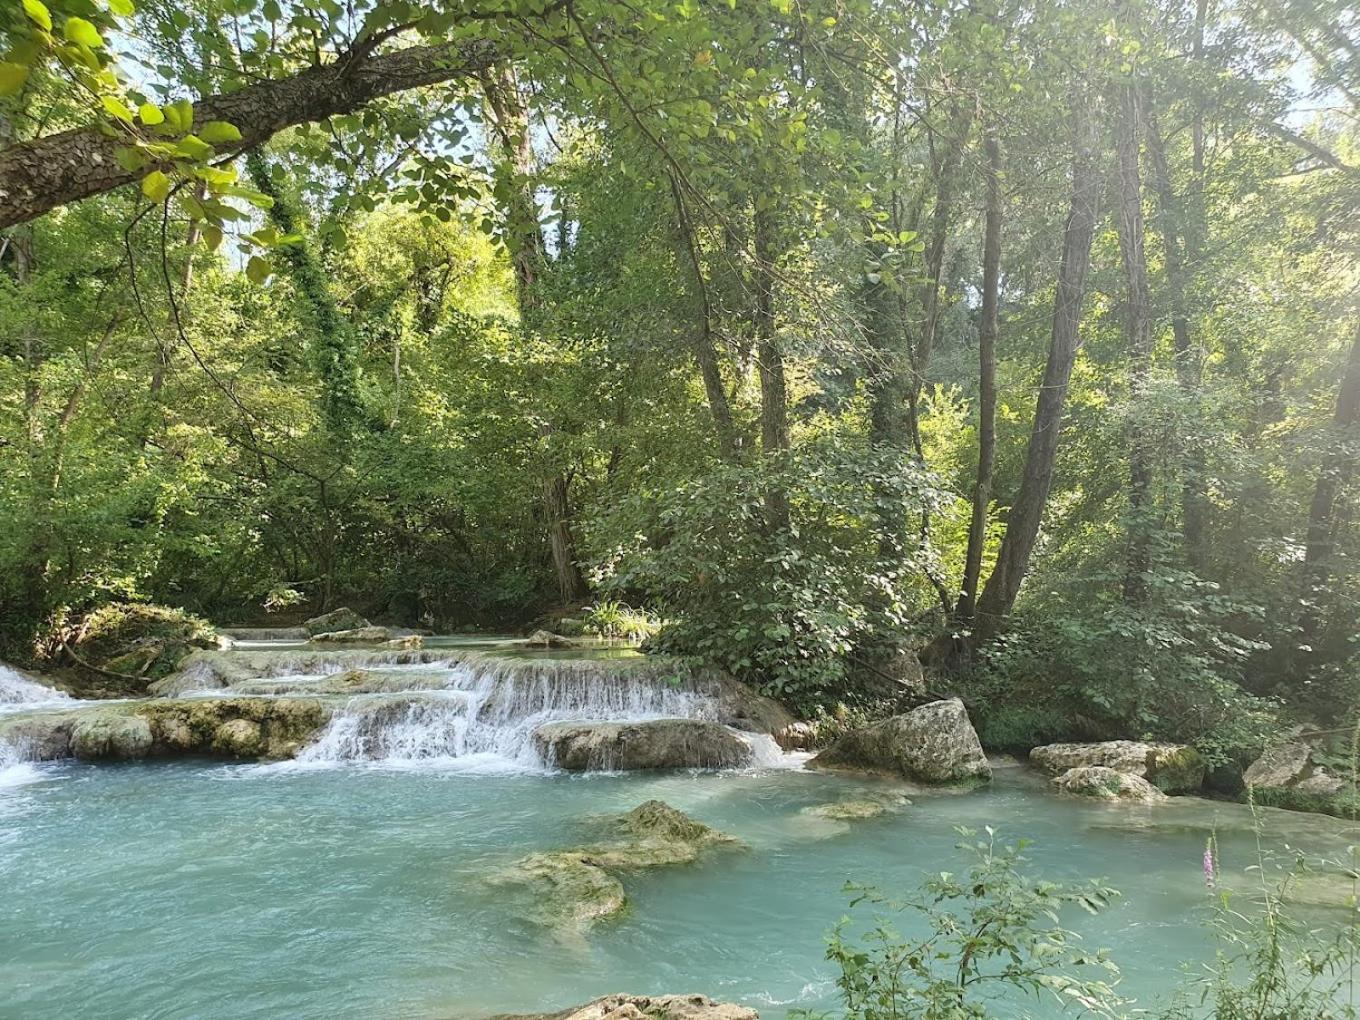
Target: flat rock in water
650, 744
1172, 768
338, 619
356, 636
935, 743
1100, 783
652, 1007
547, 639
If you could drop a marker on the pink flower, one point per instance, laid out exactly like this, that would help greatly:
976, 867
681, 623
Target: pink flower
1210, 861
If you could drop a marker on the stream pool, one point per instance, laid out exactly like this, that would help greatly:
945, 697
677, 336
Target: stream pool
176, 890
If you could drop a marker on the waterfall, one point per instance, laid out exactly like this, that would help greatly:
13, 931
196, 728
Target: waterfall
17, 689
487, 709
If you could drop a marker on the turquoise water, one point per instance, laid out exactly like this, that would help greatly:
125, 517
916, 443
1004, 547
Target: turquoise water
211, 890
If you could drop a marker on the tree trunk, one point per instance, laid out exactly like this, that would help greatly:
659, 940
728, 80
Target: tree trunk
1022, 525
1338, 468
774, 410
1194, 504
509, 122
40, 175
987, 331
1138, 333
705, 352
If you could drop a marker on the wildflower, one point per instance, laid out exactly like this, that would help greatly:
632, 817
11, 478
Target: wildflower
1210, 861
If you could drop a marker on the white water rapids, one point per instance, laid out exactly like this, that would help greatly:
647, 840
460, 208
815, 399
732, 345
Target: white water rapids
484, 714
18, 690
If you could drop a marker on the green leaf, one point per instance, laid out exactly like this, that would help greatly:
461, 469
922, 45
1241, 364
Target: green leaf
216, 132
156, 186
258, 270
12, 77
38, 13
150, 114
212, 236
82, 33
194, 148
180, 115
122, 8
116, 108
130, 159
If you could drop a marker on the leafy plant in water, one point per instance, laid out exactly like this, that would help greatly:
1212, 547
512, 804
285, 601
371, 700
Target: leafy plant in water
990, 935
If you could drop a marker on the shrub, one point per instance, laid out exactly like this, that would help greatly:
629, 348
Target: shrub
991, 933
781, 608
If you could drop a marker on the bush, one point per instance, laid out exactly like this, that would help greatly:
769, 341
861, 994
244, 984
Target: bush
783, 609
1170, 668
991, 933
613, 619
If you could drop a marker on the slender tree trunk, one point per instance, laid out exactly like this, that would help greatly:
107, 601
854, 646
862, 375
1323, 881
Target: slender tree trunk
528, 256
705, 351
186, 280
1194, 503
774, 398
1338, 469
1138, 333
1026, 516
987, 332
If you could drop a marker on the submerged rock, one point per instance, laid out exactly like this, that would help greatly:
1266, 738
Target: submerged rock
547, 639
1101, 783
1172, 768
855, 810
932, 744
651, 1007
652, 744
568, 890
340, 619
354, 636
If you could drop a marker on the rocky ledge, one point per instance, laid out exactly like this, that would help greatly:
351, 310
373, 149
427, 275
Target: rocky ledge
1171, 768
933, 744
652, 744
254, 728
650, 1007
1100, 783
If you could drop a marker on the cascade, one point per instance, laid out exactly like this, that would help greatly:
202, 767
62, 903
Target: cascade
488, 708
17, 689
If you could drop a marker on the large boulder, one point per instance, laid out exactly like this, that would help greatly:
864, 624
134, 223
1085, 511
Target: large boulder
647, 1007
932, 744
354, 636
1101, 783
336, 620
1288, 767
1172, 768
652, 744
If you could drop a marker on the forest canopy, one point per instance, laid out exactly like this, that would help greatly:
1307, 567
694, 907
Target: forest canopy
1022, 336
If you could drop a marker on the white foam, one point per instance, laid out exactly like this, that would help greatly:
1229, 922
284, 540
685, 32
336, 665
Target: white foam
17, 689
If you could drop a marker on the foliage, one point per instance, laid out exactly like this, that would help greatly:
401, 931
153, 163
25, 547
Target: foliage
1170, 668
614, 619
990, 936
783, 608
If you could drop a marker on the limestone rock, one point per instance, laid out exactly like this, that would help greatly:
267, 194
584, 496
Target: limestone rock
1172, 768
1280, 766
932, 744
652, 744
40, 736
111, 735
240, 738
568, 890
405, 641
851, 810
652, 1007
1102, 783
336, 620
547, 639
354, 636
